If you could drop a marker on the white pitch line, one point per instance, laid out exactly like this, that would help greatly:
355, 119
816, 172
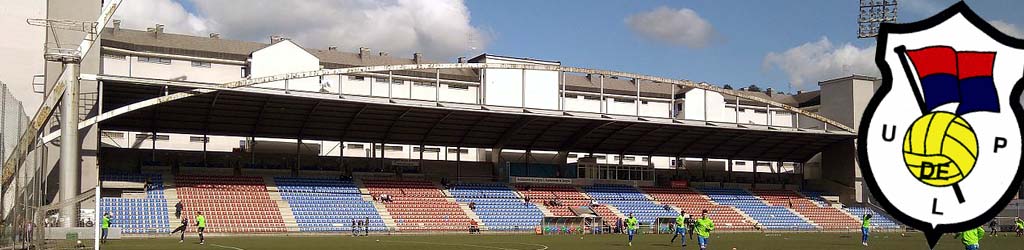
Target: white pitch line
228, 247
450, 244
528, 244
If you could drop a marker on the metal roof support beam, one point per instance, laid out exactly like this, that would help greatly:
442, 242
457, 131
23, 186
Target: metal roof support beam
387, 135
573, 139
259, 117
668, 139
765, 151
462, 139
648, 133
305, 121
715, 148
605, 139
694, 142
514, 129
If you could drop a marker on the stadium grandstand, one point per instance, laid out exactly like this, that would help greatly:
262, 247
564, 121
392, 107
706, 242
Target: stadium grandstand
276, 138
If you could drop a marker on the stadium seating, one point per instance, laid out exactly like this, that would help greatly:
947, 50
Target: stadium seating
568, 196
629, 200
878, 219
825, 217
419, 205
769, 217
231, 204
327, 205
498, 206
133, 216
691, 202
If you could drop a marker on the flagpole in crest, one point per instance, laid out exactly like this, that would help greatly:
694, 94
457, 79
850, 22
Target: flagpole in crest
915, 85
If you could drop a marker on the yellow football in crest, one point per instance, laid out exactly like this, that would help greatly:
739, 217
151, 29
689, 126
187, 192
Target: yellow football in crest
940, 149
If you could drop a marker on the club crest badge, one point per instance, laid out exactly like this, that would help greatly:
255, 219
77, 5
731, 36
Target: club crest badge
940, 141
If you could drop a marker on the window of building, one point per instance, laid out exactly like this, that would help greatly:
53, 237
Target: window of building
397, 82
355, 146
455, 150
643, 102
154, 60
458, 86
423, 84
572, 155
392, 148
429, 150
114, 56
356, 78
629, 158
587, 97
150, 136
201, 64
645, 159
198, 139
113, 135
380, 80
245, 71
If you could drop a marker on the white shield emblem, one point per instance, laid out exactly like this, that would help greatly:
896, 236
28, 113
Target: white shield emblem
940, 141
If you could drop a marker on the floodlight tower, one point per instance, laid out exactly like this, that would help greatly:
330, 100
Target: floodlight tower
872, 14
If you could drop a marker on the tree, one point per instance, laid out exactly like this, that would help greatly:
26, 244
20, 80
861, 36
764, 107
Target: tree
727, 86
754, 88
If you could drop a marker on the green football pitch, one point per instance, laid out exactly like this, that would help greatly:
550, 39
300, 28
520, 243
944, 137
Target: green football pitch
784, 241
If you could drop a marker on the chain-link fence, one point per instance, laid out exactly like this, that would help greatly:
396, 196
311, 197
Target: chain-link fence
25, 213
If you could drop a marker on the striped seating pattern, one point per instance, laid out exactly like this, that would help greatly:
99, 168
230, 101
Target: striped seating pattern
419, 205
231, 204
691, 202
499, 207
134, 216
567, 195
825, 217
327, 205
629, 200
770, 217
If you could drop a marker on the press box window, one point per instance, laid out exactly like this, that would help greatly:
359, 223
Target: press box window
201, 64
154, 60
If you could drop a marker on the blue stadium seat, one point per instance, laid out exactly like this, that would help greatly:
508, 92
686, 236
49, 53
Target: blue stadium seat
137, 216
327, 205
498, 206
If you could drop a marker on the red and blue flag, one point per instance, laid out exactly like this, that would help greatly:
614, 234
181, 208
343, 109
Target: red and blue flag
950, 76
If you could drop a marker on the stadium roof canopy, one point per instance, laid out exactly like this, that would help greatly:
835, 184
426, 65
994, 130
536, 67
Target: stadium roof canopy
314, 116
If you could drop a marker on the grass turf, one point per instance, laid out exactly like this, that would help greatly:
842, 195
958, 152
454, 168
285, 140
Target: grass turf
791, 241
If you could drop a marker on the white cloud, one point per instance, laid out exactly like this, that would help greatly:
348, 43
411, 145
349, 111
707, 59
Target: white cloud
142, 14
822, 60
673, 26
440, 29
1008, 28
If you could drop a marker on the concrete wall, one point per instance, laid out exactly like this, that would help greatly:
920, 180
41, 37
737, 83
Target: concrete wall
844, 101
285, 57
504, 87
129, 65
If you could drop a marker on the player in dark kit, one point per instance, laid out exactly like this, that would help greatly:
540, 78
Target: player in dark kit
182, 228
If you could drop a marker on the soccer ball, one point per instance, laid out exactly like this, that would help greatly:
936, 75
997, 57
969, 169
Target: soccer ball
378, 240
79, 242
940, 149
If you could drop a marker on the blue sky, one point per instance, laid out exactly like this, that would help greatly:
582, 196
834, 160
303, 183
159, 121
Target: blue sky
595, 34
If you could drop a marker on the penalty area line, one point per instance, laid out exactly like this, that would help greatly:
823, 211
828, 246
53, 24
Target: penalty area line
228, 247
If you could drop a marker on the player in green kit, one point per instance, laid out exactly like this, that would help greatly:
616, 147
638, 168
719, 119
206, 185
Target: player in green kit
105, 227
631, 226
1020, 226
971, 238
201, 224
865, 229
680, 228
703, 227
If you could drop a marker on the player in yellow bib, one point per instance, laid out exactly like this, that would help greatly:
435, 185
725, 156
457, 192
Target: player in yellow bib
703, 228
680, 228
201, 224
105, 223
631, 226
